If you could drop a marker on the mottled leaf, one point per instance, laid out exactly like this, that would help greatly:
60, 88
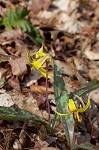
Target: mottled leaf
86, 146
61, 99
11, 113
90, 87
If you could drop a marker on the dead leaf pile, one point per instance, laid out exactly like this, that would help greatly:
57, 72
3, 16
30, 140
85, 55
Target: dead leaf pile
70, 30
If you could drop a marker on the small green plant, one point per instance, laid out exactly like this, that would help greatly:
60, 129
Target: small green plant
17, 19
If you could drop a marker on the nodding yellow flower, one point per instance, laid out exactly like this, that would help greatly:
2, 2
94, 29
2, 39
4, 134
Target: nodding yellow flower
74, 110
38, 61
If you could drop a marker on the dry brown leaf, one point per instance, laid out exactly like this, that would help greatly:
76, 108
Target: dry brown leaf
2, 76
80, 64
21, 48
88, 30
39, 144
96, 47
64, 18
2, 11
18, 65
72, 85
94, 73
38, 5
91, 55
64, 68
80, 78
97, 11
62, 4
14, 82
11, 34
5, 99
94, 95
40, 89
26, 102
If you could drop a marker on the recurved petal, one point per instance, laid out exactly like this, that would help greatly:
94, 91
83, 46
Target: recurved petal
76, 116
40, 53
85, 107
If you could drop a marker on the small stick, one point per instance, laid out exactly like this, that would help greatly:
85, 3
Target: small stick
47, 101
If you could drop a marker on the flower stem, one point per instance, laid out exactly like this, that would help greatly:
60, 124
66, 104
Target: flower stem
47, 100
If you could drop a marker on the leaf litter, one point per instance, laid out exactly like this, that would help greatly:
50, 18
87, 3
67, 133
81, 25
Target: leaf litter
70, 30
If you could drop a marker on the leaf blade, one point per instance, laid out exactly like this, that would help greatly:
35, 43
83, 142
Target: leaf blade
11, 113
61, 99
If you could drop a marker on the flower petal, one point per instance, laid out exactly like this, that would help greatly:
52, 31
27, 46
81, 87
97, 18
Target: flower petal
85, 107
40, 53
72, 105
76, 116
38, 63
60, 113
43, 72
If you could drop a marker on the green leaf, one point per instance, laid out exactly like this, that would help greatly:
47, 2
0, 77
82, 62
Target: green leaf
11, 113
86, 146
25, 12
17, 19
90, 87
61, 99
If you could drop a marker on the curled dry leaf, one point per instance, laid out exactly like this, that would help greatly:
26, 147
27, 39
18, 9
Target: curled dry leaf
94, 95
18, 65
40, 89
91, 55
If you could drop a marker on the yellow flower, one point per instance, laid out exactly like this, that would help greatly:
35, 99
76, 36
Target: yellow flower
38, 61
73, 109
